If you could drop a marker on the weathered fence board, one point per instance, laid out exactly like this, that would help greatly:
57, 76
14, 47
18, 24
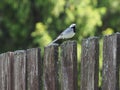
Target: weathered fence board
51, 68
34, 69
5, 71
19, 72
89, 64
111, 57
69, 66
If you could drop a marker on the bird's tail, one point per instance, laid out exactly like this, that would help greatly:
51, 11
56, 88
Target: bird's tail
53, 41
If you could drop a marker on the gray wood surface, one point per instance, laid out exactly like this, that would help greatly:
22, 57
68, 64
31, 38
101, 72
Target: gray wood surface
90, 64
34, 69
19, 70
69, 65
51, 68
6, 71
111, 60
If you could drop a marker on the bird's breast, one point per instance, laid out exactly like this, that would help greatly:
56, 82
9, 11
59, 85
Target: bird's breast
69, 35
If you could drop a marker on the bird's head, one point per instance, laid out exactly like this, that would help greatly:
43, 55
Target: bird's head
73, 26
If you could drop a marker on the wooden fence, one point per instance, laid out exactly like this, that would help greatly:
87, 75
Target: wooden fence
26, 70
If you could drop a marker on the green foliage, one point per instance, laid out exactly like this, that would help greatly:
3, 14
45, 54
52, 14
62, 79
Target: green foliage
18, 18
35, 21
85, 14
15, 27
42, 37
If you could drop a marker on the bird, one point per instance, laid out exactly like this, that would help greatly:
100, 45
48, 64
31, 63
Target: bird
66, 34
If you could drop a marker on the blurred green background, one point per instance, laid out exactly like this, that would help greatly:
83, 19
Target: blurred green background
35, 23
32, 23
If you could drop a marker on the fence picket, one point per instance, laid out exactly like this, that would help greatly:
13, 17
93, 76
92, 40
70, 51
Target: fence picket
69, 65
19, 70
34, 69
89, 64
111, 57
51, 68
6, 71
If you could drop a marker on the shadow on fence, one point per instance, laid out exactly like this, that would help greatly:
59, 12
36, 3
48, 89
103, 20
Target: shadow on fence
25, 70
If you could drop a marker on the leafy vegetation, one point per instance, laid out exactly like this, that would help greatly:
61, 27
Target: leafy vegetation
29, 23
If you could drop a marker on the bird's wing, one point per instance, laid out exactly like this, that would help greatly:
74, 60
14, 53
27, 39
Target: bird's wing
66, 31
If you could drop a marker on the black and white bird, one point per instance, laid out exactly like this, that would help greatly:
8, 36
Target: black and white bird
66, 34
